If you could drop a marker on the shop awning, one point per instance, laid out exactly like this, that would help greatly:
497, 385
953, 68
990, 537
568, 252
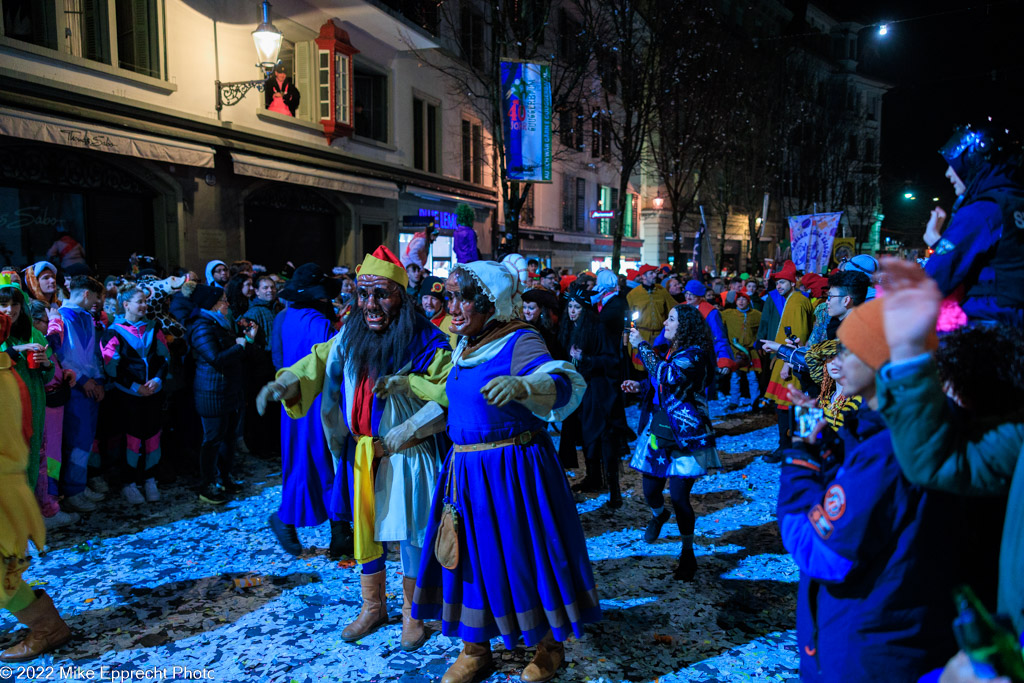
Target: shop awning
436, 196
42, 128
285, 172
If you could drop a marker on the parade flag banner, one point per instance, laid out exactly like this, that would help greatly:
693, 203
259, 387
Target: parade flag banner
812, 238
526, 103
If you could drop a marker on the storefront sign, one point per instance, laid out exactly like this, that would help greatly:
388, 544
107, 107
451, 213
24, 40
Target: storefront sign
526, 103
443, 220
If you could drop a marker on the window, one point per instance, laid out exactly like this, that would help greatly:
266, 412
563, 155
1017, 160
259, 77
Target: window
569, 32
471, 36
614, 206
425, 137
137, 44
601, 137
604, 202
852, 152
629, 217
581, 204
607, 67
571, 124
371, 103
869, 149
472, 152
323, 84
568, 203
121, 33
526, 215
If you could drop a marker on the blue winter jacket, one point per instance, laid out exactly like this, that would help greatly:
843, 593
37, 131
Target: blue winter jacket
967, 246
874, 556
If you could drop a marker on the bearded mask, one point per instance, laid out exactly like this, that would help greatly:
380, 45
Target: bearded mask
379, 299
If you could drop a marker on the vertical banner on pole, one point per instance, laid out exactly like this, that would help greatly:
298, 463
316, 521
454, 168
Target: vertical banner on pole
812, 238
526, 103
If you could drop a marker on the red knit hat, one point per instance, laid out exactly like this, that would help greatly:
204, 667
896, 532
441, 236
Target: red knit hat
383, 262
645, 268
817, 284
788, 272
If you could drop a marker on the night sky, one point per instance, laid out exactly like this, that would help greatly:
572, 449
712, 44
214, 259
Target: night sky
951, 63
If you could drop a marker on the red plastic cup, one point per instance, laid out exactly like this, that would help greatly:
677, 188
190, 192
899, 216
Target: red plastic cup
31, 358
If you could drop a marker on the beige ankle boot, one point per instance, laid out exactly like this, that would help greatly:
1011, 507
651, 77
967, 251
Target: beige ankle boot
474, 663
374, 613
47, 630
413, 632
545, 663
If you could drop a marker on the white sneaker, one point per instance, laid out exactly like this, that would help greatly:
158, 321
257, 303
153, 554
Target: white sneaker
132, 494
93, 495
79, 503
60, 519
99, 485
152, 492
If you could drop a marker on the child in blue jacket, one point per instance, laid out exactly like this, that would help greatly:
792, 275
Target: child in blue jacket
874, 551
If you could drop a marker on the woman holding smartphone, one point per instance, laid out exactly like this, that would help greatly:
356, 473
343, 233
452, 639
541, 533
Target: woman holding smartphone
677, 443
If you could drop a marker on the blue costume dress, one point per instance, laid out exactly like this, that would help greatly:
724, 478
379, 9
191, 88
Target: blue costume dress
523, 567
307, 469
678, 386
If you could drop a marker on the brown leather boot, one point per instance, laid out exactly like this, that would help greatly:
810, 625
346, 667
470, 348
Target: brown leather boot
545, 663
47, 630
413, 632
474, 663
374, 613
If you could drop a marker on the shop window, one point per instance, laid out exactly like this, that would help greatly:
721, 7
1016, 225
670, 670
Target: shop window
440, 257
425, 135
121, 33
604, 202
371, 103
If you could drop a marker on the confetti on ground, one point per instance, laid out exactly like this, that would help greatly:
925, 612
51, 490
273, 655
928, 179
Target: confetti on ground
177, 584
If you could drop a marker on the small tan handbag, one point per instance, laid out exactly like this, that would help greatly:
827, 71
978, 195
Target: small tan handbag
446, 543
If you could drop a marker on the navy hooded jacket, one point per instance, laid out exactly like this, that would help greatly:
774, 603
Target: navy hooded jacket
876, 560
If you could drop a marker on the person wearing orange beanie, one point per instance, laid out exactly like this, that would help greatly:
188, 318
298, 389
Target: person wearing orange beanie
872, 548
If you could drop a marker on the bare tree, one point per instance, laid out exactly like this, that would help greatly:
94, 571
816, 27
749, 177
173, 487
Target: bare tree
693, 104
480, 36
626, 58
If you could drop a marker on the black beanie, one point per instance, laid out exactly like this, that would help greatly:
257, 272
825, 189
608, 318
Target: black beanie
206, 297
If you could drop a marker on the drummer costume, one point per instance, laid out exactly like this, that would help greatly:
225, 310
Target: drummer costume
387, 499
522, 567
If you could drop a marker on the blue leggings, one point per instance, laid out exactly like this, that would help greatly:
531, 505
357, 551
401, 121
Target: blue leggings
410, 560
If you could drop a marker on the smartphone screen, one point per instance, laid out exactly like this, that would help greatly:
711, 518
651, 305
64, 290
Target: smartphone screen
806, 418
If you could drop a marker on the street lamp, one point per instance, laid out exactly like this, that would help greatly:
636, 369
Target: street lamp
267, 39
659, 201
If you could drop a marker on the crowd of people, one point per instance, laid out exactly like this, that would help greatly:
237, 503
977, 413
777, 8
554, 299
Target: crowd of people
418, 411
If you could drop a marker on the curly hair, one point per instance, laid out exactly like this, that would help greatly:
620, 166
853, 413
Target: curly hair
470, 290
984, 368
693, 330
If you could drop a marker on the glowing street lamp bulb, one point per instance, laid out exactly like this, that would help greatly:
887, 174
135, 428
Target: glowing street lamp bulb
883, 29
935, 199
908, 195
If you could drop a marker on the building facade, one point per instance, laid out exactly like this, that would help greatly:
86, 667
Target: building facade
111, 131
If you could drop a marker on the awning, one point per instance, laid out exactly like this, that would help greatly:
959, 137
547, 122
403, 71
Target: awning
436, 196
282, 171
42, 128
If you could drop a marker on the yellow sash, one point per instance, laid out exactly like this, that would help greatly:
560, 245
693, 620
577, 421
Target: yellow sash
366, 548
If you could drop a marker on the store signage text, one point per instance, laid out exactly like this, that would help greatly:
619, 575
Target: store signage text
443, 220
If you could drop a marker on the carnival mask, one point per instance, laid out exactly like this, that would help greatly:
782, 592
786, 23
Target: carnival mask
379, 299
